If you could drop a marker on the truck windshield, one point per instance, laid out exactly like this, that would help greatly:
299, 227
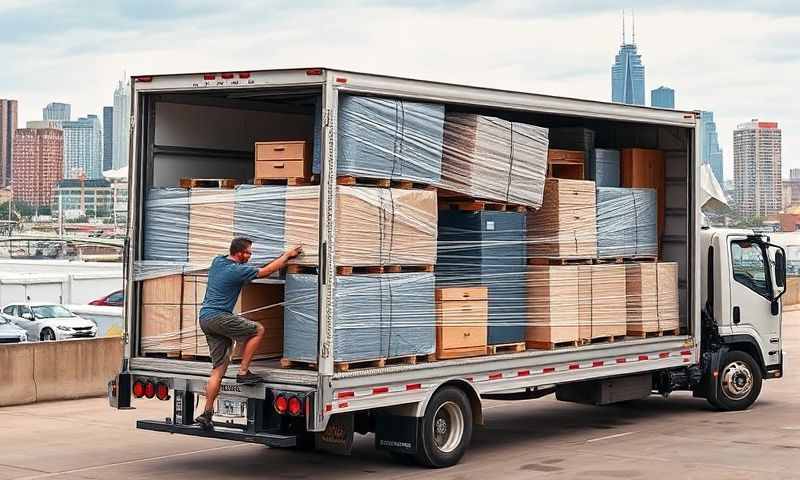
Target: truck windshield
51, 311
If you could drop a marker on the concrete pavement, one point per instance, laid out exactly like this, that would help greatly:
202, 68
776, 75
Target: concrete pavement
676, 438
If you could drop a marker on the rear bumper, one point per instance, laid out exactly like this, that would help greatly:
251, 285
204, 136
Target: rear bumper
225, 433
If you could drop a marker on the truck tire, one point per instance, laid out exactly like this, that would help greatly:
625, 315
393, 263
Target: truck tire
446, 429
738, 382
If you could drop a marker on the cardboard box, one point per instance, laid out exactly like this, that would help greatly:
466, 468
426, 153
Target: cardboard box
462, 321
160, 314
565, 226
211, 212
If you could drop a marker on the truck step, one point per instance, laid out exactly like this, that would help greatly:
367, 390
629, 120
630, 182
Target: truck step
226, 433
186, 182
505, 348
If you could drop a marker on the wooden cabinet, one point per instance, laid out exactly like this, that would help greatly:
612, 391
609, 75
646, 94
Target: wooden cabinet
278, 160
644, 168
565, 164
462, 321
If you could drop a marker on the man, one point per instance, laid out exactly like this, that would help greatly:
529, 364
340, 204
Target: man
225, 279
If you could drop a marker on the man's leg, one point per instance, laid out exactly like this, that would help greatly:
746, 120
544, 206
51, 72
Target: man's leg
212, 387
250, 347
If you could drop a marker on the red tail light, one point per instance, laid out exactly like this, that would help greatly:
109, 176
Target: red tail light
209, 76
162, 391
295, 406
227, 76
314, 71
281, 404
138, 389
149, 390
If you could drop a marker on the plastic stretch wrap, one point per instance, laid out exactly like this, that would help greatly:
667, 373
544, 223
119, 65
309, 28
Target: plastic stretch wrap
166, 225
491, 158
259, 214
389, 138
565, 226
487, 248
606, 172
375, 317
626, 222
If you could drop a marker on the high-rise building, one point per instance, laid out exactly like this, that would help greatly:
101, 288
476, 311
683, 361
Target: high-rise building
38, 158
627, 73
108, 144
42, 124
83, 148
662, 97
60, 112
710, 151
8, 125
121, 125
757, 168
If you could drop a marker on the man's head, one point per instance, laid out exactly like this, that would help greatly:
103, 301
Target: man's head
240, 249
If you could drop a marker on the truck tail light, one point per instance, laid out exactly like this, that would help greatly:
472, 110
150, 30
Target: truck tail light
138, 389
149, 389
281, 404
314, 71
144, 79
295, 406
162, 391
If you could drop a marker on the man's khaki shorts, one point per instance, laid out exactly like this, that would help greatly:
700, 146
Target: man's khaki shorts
220, 332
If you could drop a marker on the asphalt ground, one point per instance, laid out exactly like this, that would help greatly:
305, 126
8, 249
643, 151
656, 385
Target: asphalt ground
675, 438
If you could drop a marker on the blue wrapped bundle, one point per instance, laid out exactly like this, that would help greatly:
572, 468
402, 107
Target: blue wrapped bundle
606, 173
488, 248
375, 316
166, 225
626, 222
389, 138
259, 214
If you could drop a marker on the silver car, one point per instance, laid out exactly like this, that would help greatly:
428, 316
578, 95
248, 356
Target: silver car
10, 333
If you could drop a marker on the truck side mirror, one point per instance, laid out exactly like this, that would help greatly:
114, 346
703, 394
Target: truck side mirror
780, 269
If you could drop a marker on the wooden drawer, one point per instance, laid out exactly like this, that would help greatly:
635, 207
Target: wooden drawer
271, 151
282, 169
462, 293
462, 324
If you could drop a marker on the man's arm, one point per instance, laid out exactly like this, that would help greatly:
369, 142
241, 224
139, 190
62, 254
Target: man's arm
279, 262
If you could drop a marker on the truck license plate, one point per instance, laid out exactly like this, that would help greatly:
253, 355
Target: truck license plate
231, 407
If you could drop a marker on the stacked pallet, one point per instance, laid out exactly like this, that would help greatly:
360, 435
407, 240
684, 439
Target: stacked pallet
565, 226
652, 298
462, 319
160, 315
495, 159
626, 222
166, 225
211, 218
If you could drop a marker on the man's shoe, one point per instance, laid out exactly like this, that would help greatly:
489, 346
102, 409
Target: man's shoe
206, 421
248, 378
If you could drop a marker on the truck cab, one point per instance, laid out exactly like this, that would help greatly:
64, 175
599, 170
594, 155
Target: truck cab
743, 278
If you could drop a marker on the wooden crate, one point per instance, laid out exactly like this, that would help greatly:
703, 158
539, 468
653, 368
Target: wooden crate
160, 314
462, 326
668, 309
193, 340
554, 305
608, 301
565, 226
641, 290
644, 168
567, 164
210, 224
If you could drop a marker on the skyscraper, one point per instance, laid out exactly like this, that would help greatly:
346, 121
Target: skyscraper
757, 168
710, 152
38, 158
108, 145
59, 112
121, 124
8, 125
83, 148
662, 97
627, 73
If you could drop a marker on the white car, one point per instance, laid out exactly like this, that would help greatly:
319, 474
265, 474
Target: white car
47, 321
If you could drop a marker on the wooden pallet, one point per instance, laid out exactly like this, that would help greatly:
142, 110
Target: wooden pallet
560, 261
471, 205
505, 348
642, 259
291, 181
604, 339
364, 181
463, 352
535, 345
411, 185
173, 355
312, 269
297, 364
346, 271
186, 182
361, 364
653, 334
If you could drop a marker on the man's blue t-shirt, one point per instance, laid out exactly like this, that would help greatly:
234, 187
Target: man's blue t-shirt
225, 280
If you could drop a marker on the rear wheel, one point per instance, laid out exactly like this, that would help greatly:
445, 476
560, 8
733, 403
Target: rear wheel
47, 335
446, 429
738, 382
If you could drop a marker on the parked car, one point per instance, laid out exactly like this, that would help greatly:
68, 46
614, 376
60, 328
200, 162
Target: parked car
114, 299
47, 321
10, 333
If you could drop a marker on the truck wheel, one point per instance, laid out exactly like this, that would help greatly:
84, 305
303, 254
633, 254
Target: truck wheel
738, 382
446, 429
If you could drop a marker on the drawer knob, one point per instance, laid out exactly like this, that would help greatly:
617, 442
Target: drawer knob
466, 334
281, 165
279, 149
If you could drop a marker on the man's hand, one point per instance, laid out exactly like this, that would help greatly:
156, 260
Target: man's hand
293, 252
280, 262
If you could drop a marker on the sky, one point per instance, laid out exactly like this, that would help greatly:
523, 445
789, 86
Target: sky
737, 58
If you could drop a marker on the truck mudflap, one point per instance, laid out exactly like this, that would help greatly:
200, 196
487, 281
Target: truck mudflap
221, 431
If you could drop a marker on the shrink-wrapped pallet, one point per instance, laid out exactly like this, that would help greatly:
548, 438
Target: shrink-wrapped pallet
652, 297
389, 138
487, 248
606, 168
375, 317
644, 168
211, 218
495, 159
608, 308
166, 225
259, 215
626, 222
556, 306
565, 226
160, 315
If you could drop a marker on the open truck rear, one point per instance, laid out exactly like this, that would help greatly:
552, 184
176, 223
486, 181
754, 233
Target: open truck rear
205, 126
